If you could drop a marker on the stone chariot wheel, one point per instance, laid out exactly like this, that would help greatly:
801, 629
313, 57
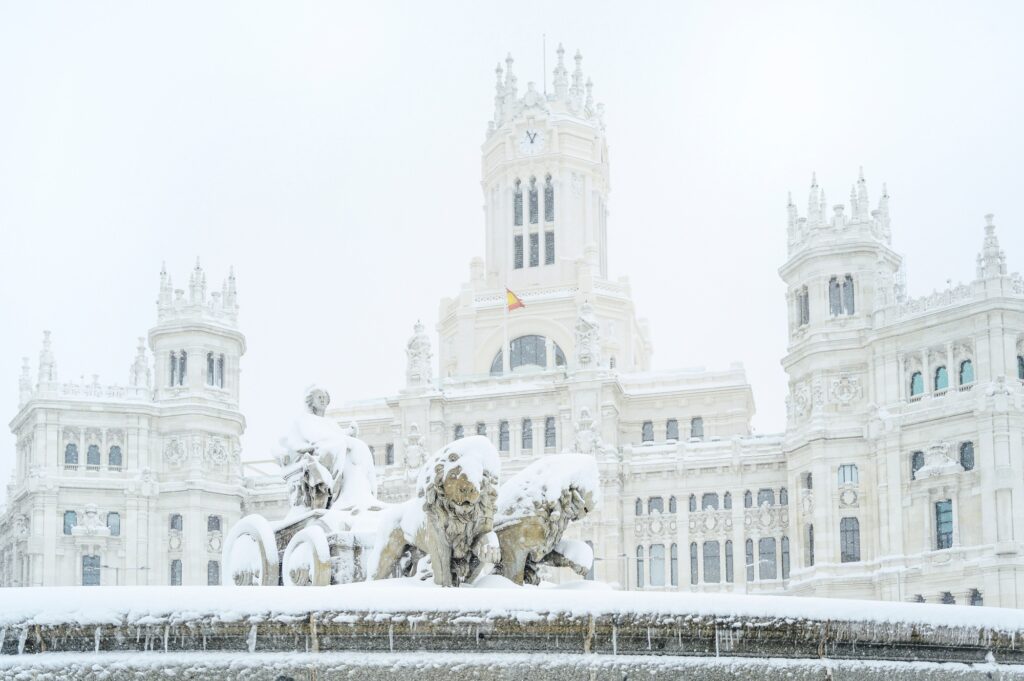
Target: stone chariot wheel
307, 559
250, 556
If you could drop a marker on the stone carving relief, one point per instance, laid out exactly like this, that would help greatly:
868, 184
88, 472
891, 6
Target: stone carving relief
90, 523
587, 440
766, 518
937, 462
174, 452
710, 522
845, 389
588, 338
801, 399
848, 498
21, 525
216, 452
414, 449
419, 358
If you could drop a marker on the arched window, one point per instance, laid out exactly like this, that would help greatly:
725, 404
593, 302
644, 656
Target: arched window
90, 570
173, 369
848, 474
916, 463
783, 497
71, 454
213, 573
114, 523
947, 598
849, 540
590, 572
175, 572
657, 565
549, 200
712, 563
672, 504
213, 523
534, 249
810, 545
916, 384
835, 302
459, 432
647, 431
220, 371
748, 499
517, 204
967, 455
503, 436
728, 561
943, 524
549, 432
1020, 367
766, 495
966, 372
639, 567
697, 427
727, 501
70, 520
848, 294
749, 557
674, 565
766, 562
481, 428
176, 523
92, 456
182, 367
672, 429
114, 458
808, 481
693, 503
709, 500
389, 454
639, 507
534, 202
941, 378
804, 306
527, 433
693, 563
785, 557
210, 369
655, 504
527, 351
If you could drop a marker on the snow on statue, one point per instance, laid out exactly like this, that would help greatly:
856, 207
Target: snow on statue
326, 466
450, 519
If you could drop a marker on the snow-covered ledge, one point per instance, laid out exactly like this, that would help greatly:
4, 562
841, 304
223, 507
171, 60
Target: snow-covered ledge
384, 625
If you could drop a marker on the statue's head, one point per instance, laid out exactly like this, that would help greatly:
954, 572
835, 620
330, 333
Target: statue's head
317, 400
459, 489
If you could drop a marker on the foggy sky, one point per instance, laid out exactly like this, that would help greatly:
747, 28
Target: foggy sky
330, 152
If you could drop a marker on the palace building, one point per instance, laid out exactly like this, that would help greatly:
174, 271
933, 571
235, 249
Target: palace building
899, 475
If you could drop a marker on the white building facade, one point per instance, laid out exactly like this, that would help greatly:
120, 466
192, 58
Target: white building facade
136, 483
900, 474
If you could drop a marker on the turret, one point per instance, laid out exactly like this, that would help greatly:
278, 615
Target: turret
991, 259
47, 363
24, 383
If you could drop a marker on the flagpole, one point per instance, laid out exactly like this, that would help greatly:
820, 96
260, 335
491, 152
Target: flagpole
506, 354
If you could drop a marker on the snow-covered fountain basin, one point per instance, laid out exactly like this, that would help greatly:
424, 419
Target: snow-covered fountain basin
494, 630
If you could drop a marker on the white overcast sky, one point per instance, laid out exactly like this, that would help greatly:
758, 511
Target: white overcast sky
330, 152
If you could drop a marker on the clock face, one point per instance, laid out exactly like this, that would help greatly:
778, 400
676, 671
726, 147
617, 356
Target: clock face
531, 141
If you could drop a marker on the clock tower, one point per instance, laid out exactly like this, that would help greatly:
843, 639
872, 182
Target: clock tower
545, 180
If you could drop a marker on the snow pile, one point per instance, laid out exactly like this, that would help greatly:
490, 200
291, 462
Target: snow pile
542, 483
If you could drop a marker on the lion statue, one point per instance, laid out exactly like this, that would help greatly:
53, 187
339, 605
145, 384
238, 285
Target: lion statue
535, 507
450, 519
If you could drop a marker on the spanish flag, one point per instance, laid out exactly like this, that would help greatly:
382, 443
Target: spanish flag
512, 301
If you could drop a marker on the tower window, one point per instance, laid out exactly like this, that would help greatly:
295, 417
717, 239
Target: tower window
848, 474
647, 431
849, 540
517, 204
534, 200
766, 496
639, 507
943, 524
549, 200
672, 504
114, 458
941, 378
527, 434
213, 523
176, 523
803, 301
92, 456
672, 429
549, 432
182, 367
783, 497
916, 384
967, 455
835, 302
517, 251
549, 248
173, 369
916, 464
210, 364
966, 372
1020, 367
220, 371
810, 545
71, 454
527, 350
848, 294
748, 499
692, 505
534, 249
503, 436
481, 428
114, 523
727, 501
709, 500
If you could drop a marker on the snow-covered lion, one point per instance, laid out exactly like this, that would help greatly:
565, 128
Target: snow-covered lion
535, 507
450, 519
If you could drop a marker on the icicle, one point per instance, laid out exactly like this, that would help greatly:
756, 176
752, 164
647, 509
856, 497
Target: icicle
615, 639
251, 639
167, 633
22, 638
391, 637
96, 640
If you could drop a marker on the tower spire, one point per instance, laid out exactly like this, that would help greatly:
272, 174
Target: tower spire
47, 363
991, 260
24, 383
560, 81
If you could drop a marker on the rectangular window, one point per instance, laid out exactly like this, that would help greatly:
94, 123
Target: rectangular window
728, 562
766, 558
517, 206
90, 570
639, 567
749, 555
527, 434
549, 432
674, 566
785, 557
213, 523
534, 203
849, 540
848, 474
712, 564
114, 524
176, 523
657, 565
481, 429
459, 432
549, 248
693, 563
503, 436
810, 546
647, 431
389, 454
709, 500
766, 496
697, 427
517, 251
534, 249
70, 520
672, 429
213, 573
804, 306
175, 572
943, 524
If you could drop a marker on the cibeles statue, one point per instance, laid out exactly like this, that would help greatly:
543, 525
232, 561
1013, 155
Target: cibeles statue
325, 465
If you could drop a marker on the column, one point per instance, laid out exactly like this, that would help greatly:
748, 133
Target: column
926, 372
902, 361
950, 373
